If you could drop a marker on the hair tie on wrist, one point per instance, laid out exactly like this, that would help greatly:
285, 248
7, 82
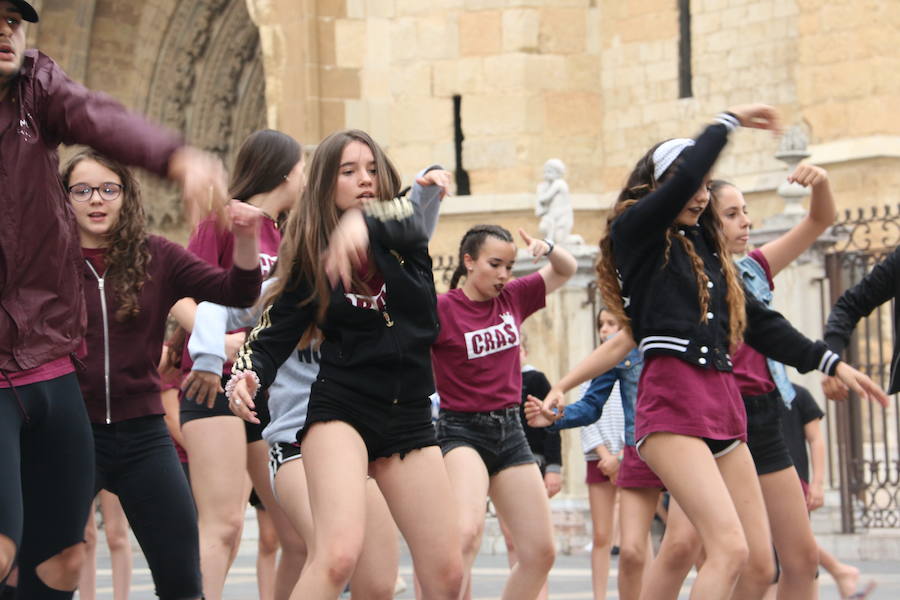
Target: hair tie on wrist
236, 376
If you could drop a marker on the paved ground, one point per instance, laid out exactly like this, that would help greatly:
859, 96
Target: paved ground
569, 580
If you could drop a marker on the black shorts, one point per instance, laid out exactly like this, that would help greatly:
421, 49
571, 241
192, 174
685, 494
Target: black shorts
190, 411
386, 427
497, 436
764, 436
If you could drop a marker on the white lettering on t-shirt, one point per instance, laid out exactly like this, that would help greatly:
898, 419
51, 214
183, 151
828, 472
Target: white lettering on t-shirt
266, 262
376, 302
495, 338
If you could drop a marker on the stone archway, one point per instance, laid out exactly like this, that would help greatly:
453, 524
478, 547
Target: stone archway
207, 83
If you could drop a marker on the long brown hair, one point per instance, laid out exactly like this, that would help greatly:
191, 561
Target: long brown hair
641, 182
263, 163
127, 250
315, 216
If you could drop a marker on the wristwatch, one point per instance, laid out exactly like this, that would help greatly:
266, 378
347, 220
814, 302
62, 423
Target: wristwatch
549, 248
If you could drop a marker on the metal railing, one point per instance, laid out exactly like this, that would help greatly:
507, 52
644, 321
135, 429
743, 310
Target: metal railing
864, 439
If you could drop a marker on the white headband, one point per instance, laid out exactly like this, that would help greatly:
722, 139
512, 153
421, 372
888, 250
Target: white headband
665, 155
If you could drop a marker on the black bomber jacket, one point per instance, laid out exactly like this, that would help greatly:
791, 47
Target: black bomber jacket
379, 354
660, 294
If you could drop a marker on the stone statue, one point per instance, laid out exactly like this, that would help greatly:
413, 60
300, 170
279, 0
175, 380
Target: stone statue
553, 204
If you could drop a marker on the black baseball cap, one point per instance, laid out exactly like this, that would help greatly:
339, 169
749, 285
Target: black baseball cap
26, 10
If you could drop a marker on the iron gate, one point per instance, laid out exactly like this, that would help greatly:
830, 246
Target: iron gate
863, 438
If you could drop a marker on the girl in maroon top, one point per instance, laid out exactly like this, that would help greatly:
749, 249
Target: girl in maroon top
478, 377
268, 174
131, 280
785, 505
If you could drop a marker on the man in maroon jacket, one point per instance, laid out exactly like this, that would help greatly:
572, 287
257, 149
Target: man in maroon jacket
46, 448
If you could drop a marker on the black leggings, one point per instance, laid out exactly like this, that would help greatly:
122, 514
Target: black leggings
136, 460
46, 474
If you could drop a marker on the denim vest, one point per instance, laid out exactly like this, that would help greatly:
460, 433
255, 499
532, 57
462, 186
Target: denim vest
590, 407
755, 280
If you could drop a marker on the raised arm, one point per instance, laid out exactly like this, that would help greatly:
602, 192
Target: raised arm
560, 265
656, 211
432, 185
72, 114
784, 250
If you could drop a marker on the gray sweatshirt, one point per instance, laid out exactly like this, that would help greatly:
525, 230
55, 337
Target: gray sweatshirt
289, 393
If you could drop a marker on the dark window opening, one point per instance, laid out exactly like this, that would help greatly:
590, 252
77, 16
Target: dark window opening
462, 178
684, 49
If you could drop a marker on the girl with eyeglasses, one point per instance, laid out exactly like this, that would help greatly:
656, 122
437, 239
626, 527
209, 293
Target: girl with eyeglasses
131, 280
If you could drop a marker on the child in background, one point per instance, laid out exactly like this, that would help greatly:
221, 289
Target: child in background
603, 443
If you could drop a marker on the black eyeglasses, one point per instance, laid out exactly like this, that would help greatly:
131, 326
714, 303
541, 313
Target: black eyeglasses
82, 192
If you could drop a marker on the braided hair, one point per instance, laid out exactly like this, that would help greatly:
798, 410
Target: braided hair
471, 244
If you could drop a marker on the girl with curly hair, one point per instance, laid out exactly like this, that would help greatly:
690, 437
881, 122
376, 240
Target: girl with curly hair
132, 279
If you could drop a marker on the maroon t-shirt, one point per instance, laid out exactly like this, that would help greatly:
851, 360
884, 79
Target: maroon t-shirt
751, 371
377, 298
476, 356
216, 246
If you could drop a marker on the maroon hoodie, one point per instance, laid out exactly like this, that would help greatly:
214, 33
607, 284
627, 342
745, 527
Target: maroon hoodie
129, 351
41, 305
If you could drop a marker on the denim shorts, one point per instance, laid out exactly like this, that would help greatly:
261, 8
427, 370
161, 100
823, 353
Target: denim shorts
497, 436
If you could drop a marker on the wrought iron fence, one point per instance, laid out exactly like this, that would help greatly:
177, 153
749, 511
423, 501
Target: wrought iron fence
864, 439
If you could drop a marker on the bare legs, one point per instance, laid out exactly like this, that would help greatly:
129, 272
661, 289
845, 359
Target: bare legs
702, 492
416, 490
636, 508
602, 497
217, 447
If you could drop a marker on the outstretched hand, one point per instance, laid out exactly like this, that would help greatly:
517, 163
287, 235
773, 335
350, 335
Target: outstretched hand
201, 176
438, 177
834, 388
861, 384
546, 412
536, 247
757, 116
347, 248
